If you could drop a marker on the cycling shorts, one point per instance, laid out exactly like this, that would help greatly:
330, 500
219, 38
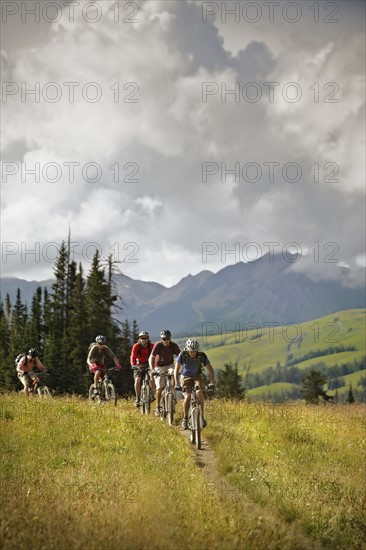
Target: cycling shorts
97, 366
141, 372
188, 382
160, 379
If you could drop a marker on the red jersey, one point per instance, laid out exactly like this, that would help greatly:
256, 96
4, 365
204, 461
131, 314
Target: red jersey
140, 354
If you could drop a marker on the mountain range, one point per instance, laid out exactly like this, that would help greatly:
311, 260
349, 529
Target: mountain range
257, 292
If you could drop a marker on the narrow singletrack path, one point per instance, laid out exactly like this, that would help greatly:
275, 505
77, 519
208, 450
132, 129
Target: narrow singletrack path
293, 536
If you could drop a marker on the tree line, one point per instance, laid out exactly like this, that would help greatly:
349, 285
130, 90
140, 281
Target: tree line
294, 375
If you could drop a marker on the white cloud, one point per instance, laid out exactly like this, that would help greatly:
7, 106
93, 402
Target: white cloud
170, 132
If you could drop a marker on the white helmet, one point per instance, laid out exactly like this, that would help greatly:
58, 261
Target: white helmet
192, 345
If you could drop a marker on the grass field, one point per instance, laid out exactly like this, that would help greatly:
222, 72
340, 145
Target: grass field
75, 476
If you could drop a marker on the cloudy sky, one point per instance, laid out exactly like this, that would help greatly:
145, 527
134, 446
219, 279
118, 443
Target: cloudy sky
183, 135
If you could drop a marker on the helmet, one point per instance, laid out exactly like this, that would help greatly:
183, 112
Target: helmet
33, 353
192, 345
165, 334
143, 333
101, 339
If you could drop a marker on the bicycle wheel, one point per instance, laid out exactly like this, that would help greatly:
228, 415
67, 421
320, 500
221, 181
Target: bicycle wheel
44, 392
143, 406
148, 399
163, 406
170, 408
94, 398
110, 394
197, 426
91, 392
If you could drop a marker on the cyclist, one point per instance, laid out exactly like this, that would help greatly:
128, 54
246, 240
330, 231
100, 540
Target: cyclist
98, 351
25, 367
162, 359
139, 357
190, 362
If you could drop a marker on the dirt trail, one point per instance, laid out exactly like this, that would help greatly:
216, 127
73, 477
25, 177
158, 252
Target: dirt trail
293, 537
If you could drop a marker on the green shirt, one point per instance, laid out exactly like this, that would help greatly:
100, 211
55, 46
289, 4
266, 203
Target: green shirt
99, 355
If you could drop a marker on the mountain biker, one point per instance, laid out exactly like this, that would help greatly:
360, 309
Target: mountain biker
25, 367
161, 360
139, 357
191, 361
98, 351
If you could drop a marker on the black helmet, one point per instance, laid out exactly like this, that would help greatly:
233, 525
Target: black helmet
165, 334
101, 339
33, 353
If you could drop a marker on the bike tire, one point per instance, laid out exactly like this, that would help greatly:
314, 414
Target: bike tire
143, 408
44, 392
163, 410
110, 394
92, 397
197, 427
170, 409
91, 393
148, 399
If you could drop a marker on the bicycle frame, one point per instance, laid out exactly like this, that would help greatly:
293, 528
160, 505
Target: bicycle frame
195, 419
168, 400
37, 386
145, 391
106, 389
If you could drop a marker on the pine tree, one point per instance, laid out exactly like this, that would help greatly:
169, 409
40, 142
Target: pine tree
5, 358
17, 340
55, 353
229, 382
312, 386
35, 326
77, 335
350, 397
98, 302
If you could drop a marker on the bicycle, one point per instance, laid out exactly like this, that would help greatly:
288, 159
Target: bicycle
145, 394
106, 390
168, 400
195, 419
38, 386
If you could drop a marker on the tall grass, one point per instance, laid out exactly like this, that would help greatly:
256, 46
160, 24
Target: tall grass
74, 476
305, 462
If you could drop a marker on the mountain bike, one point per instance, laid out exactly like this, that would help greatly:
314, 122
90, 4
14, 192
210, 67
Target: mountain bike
106, 392
146, 393
38, 386
168, 400
195, 419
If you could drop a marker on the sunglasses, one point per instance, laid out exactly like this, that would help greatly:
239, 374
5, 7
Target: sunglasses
166, 339
143, 337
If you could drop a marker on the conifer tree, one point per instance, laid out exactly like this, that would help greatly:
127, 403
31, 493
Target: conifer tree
17, 340
77, 334
35, 326
5, 359
350, 397
312, 386
229, 382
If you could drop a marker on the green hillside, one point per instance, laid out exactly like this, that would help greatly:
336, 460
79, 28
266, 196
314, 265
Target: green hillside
337, 340
277, 388
266, 347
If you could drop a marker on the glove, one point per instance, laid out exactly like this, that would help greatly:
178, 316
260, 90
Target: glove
119, 366
211, 386
177, 387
